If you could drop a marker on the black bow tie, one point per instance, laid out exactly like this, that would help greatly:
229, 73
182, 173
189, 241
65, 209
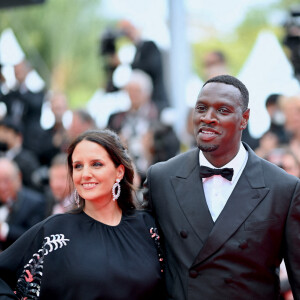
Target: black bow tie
208, 172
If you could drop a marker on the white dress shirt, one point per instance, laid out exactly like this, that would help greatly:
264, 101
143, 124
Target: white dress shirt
217, 189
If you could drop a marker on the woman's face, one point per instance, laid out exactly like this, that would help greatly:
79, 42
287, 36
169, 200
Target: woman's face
94, 173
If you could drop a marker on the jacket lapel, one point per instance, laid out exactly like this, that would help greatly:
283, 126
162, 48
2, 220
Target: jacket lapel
188, 187
247, 194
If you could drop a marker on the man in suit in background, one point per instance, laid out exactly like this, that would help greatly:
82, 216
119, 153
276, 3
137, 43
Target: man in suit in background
148, 58
11, 142
225, 237
20, 207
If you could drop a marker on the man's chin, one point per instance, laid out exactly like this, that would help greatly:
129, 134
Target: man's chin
208, 148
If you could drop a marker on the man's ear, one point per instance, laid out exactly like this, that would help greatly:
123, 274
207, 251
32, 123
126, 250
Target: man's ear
245, 119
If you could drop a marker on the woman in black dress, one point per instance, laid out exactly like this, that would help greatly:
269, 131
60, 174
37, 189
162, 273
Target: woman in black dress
103, 249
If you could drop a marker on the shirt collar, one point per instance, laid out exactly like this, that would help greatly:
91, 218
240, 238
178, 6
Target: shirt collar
237, 163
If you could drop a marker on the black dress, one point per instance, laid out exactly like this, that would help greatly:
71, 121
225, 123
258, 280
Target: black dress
73, 256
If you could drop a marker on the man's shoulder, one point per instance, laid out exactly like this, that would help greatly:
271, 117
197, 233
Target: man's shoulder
178, 160
29, 195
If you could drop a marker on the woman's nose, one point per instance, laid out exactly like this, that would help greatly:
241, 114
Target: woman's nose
86, 171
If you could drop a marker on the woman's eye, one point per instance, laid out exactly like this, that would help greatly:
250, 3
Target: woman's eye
77, 166
97, 164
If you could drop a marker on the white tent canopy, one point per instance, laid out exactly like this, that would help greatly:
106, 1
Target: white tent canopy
266, 71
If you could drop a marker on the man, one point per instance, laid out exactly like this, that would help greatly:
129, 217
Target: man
11, 141
58, 197
133, 124
225, 238
147, 58
24, 106
20, 207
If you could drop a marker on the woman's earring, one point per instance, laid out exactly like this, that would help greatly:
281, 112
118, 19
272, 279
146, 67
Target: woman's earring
116, 186
76, 198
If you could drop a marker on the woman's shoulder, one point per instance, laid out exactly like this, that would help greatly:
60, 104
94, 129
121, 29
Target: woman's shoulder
58, 220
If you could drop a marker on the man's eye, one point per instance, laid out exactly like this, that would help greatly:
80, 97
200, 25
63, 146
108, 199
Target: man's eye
224, 110
200, 108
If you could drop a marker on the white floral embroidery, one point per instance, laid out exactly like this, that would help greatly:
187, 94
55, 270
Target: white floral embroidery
29, 284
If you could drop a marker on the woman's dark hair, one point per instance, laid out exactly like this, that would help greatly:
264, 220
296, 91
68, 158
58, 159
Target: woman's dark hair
111, 142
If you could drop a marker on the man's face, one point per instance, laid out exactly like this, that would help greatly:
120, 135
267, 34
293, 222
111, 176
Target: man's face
136, 94
58, 181
219, 121
10, 182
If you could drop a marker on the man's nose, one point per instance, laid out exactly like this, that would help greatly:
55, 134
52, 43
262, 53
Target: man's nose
209, 116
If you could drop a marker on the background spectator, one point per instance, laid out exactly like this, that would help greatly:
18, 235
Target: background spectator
277, 118
20, 207
11, 141
58, 192
24, 106
148, 59
134, 123
291, 109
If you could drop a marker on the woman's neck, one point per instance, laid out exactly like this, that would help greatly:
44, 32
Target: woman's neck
109, 214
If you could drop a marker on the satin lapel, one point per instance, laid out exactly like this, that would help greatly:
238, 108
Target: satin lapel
248, 193
188, 187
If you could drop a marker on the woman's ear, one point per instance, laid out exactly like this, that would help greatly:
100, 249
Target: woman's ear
120, 172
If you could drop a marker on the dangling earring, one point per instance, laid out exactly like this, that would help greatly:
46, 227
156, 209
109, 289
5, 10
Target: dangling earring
116, 194
76, 198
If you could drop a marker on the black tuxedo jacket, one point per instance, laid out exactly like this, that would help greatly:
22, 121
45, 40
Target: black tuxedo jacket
28, 209
238, 256
149, 59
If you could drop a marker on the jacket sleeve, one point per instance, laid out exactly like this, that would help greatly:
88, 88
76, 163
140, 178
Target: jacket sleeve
14, 258
292, 243
147, 203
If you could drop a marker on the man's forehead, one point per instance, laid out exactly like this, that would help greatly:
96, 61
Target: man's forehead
220, 89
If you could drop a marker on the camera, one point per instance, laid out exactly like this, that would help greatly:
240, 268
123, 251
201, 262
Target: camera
292, 38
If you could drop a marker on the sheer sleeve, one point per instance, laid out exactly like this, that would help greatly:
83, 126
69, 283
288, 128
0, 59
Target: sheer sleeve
15, 257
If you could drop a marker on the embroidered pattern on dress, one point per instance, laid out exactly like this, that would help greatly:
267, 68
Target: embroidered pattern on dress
155, 236
29, 284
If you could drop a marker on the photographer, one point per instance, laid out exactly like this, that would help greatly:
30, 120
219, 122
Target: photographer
147, 58
110, 56
292, 38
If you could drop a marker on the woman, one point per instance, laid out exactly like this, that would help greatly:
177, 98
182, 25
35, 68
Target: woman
105, 249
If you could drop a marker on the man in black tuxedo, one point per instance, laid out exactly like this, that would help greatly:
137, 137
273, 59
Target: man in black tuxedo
20, 207
225, 237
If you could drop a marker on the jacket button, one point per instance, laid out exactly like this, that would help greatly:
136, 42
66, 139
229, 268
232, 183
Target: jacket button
193, 273
243, 245
183, 234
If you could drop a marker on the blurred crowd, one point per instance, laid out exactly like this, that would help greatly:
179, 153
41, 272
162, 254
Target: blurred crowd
33, 168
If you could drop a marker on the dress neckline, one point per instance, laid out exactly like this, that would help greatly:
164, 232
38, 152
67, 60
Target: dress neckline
106, 225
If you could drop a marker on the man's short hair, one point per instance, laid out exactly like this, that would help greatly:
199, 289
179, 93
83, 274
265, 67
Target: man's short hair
272, 99
143, 80
227, 79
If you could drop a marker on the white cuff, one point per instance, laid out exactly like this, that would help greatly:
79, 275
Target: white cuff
4, 231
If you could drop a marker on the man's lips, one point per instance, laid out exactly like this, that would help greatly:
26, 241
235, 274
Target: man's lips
207, 133
208, 130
